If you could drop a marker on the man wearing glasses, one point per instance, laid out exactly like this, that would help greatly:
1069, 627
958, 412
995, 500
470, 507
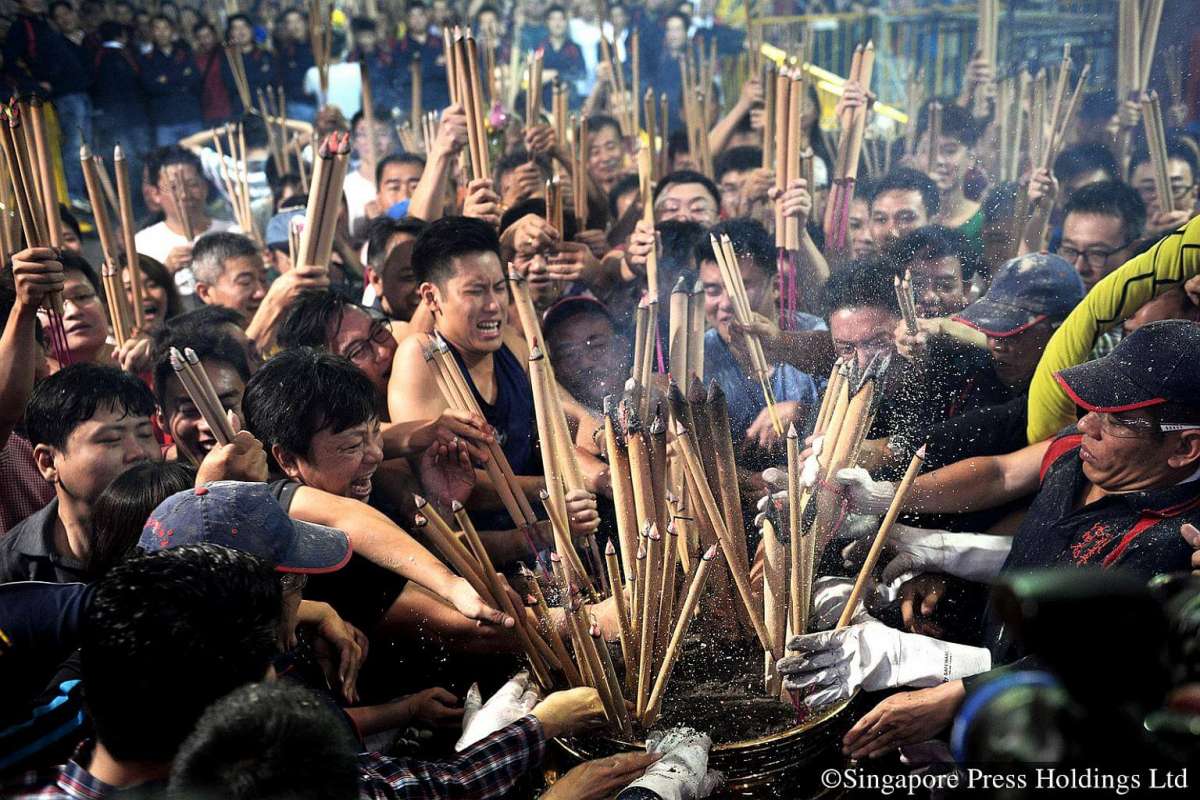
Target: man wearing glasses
1181, 172
1102, 220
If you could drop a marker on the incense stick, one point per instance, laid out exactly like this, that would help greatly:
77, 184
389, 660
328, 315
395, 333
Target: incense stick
125, 206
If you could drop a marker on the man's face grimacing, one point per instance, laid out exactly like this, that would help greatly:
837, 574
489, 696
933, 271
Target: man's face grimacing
471, 306
938, 286
1128, 452
97, 451
1015, 358
339, 462
180, 417
895, 214
1095, 244
686, 202
241, 286
863, 332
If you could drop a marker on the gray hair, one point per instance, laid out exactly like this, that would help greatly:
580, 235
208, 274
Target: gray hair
212, 250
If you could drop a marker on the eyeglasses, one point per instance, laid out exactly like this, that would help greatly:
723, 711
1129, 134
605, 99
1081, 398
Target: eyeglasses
1094, 257
361, 349
292, 583
1123, 427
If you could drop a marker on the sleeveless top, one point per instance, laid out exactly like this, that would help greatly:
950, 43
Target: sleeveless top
512, 413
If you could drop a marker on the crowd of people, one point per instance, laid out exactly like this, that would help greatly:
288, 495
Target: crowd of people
187, 616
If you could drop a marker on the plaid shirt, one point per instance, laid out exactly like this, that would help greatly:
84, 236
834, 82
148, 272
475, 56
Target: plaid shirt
489, 768
70, 782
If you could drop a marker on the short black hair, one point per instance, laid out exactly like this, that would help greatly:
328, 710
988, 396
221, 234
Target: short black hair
446, 239
311, 316
555, 8
71, 396
73, 262
599, 122
170, 156
687, 176
934, 242
232, 18
737, 159
121, 510
624, 185
956, 122
169, 633
397, 158
1110, 199
211, 344
867, 282
380, 231
515, 158
677, 142
64, 213
748, 237
1000, 202
155, 271
1085, 157
303, 391
906, 179
205, 318
273, 740
362, 25
1176, 149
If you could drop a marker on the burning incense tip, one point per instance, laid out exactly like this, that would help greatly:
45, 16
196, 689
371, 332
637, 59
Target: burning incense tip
536, 354
543, 495
792, 434
680, 286
641, 553
671, 527
595, 631
456, 506
710, 553
920, 452
609, 550
419, 502
555, 558
191, 356
419, 521
654, 535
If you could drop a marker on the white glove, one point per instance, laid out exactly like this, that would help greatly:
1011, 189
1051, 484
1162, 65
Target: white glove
682, 773
971, 556
510, 703
829, 666
866, 496
777, 479
829, 598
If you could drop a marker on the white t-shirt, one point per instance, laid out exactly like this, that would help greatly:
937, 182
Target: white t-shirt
359, 191
345, 88
158, 241
586, 35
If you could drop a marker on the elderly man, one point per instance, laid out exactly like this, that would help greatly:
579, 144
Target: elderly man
1112, 492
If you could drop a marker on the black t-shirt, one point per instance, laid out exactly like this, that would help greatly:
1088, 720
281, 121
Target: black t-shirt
361, 591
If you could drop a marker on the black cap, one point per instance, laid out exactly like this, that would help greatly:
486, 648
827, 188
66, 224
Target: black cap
1024, 291
1155, 364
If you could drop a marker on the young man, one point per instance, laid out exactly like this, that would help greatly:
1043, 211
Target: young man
733, 170
606, 151
687, 196
171, 81
954, 156
1181, 174
1101, 222
1083, 164
294, 57
84, 318
169, 171
87, 424
457, 262
942, 262
904, 200
397, 177
725, 358
224, 361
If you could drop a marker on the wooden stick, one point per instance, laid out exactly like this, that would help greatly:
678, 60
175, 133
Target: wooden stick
696, 331
624, 723
775, 600
1157, 146
885, 528
695, 590
45, 168
783, 85
125, 205
725, 461
371, 156
728, 545
542, 610
617, 591
649, 623
795, 577
452, 549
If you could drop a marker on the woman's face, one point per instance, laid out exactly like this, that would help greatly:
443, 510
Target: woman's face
154, 300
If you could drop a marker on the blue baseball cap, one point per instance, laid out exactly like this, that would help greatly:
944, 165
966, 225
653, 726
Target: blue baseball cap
246, 517
1024, 291
279, 226
1153, 365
